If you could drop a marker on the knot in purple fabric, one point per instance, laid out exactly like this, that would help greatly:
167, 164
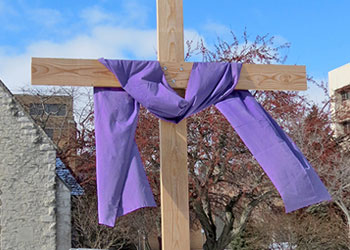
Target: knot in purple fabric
146, 83
122, 184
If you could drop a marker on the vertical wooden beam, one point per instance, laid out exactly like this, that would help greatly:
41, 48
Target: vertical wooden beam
173, 138
170, 31
174, 186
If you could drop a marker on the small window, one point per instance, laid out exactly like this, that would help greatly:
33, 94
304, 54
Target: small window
50, 109
345, 95
49, 132
35, 109
55, 109
346, 127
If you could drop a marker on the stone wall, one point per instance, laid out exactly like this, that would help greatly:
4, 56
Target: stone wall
0, 217
27, 180
63, 214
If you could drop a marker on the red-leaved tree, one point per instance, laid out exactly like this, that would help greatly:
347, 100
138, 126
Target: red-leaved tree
226, 183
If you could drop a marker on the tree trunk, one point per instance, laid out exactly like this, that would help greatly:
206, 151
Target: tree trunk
210, 245
160, 242
215, 245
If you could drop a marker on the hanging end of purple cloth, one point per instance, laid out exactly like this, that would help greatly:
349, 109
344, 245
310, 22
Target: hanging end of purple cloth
136, 194
312, 202
122, 184
319, 191
283, 162
109, 217
106, 215
295, 206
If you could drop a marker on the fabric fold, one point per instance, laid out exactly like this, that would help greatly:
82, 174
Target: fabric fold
122, 184
283, 162
121, 181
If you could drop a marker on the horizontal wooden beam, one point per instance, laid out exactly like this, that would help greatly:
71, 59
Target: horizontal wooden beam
86, 72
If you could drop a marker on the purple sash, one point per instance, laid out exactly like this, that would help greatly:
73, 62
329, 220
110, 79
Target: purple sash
122, 184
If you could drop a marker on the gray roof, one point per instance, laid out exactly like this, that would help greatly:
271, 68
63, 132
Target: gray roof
64, 174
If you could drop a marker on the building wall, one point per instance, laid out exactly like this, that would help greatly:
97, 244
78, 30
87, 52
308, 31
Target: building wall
0, 217
59, 126
27, 180
64, 227
339, 80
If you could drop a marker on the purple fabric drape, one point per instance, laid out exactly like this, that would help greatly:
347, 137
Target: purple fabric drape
122, 184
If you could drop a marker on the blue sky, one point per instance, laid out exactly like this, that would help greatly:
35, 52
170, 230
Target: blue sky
318, 30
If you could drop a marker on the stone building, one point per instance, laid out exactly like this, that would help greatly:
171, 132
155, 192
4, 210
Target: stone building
339, 88
35, 187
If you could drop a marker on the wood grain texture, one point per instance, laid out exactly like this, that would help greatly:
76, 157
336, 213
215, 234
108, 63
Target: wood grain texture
173, 138
71, 72
84, 72
170, 35
272, 77
174, 186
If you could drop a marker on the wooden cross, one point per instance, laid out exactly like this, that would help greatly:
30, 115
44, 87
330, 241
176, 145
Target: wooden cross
173, 142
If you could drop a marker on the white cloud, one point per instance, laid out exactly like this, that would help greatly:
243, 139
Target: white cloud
95, 15
134, 12
280, 40
315, 93
192, 35
108, 35
140, 43
15, 71
45, 17
104, 41
109, 42
195, 37
216, 28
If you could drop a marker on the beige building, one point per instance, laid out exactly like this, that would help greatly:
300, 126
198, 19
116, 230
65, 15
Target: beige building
35, 186
339, 89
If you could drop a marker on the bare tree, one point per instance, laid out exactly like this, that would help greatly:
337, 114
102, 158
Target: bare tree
317, 227
88, 233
